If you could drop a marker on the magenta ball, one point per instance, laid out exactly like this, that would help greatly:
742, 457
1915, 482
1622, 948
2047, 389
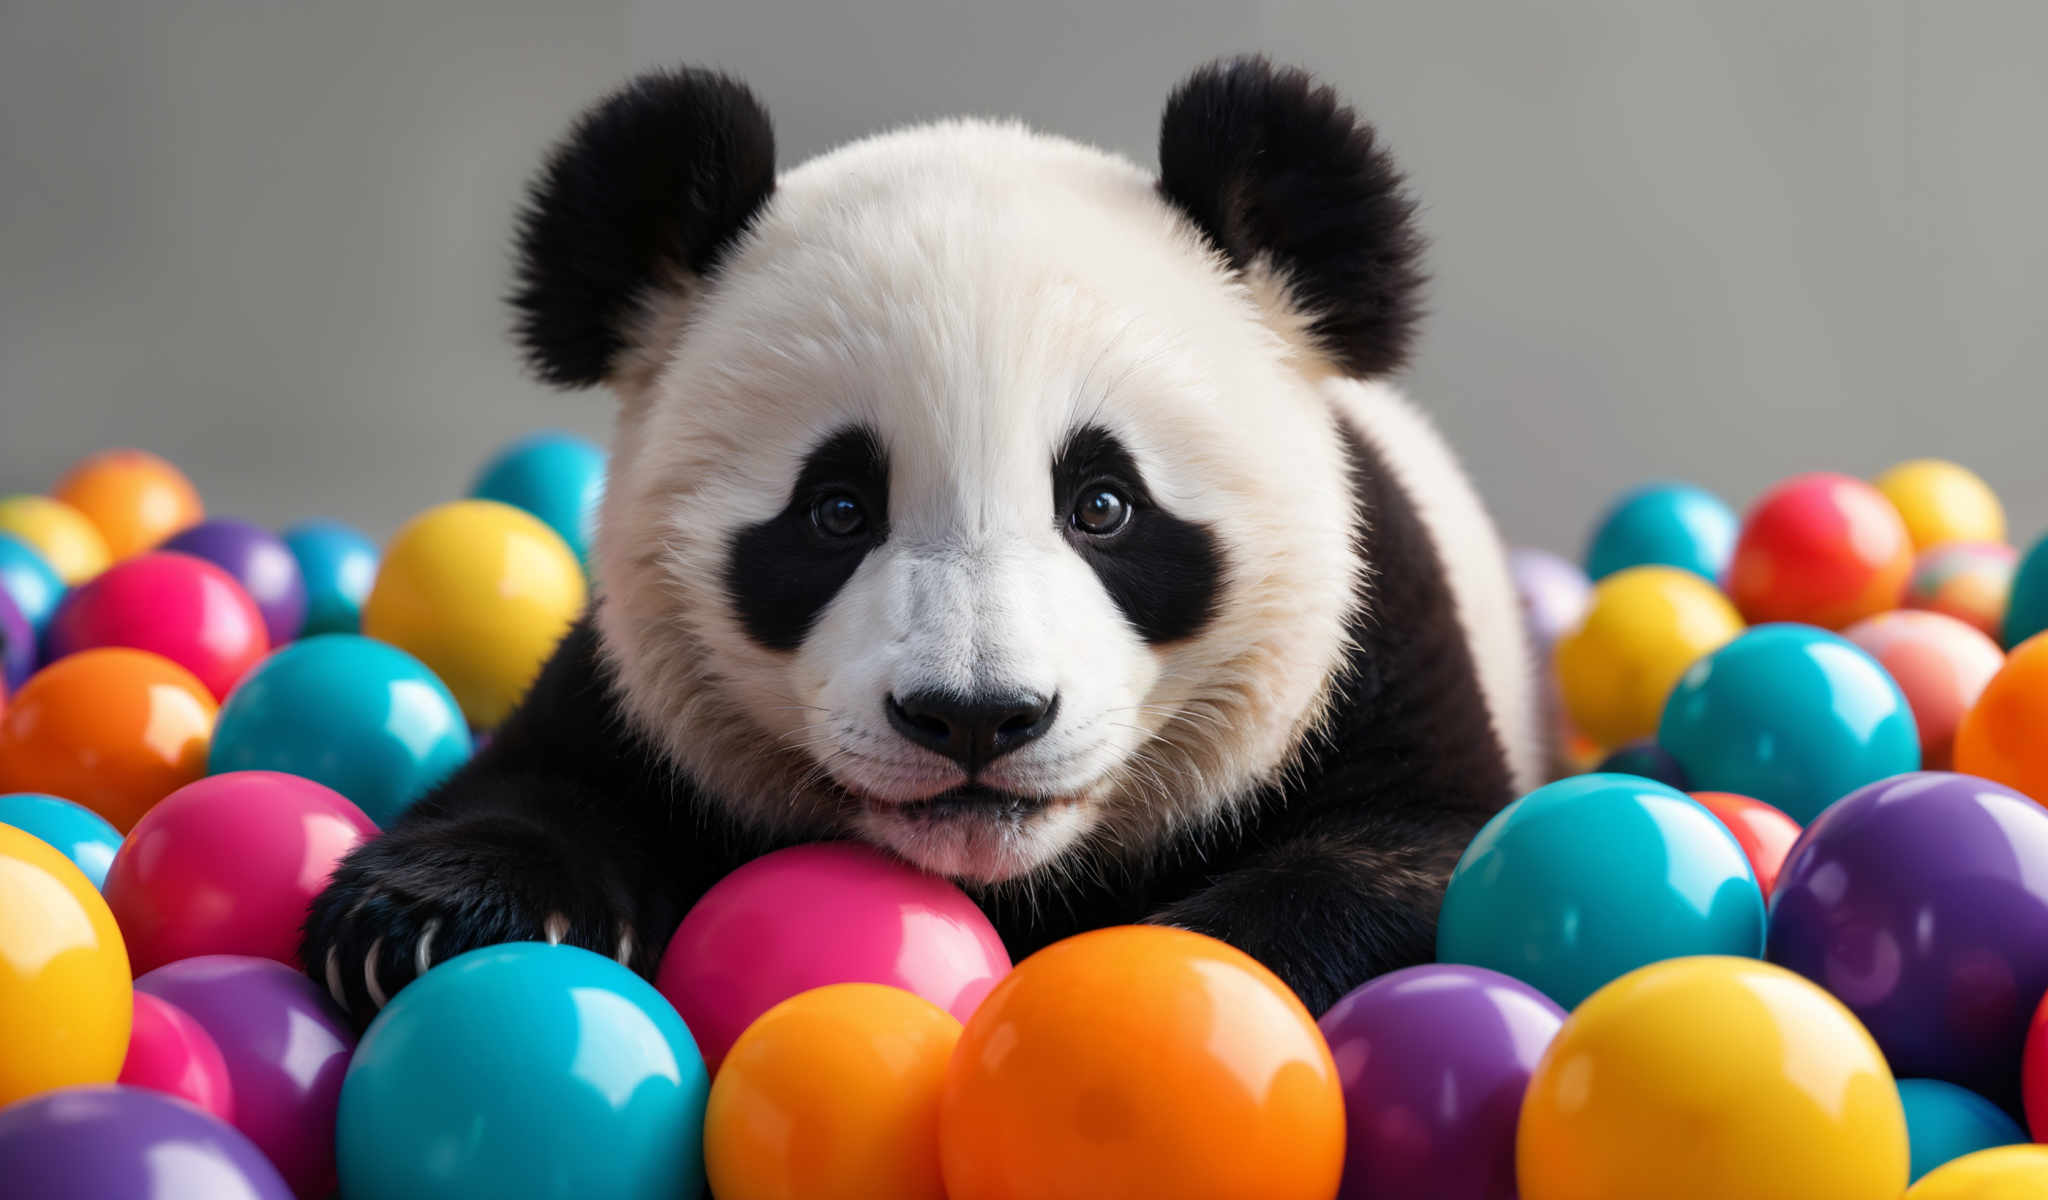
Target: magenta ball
286, 1048
108, 1142
1434, 1061
228, 865
184, 608
1921, 902
260, 561
168, 1052
828, 913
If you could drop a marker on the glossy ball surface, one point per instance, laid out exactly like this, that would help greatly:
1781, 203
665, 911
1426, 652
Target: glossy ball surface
577, 1080
1790, 715
134, 498
2002, 736
97, 1143
1945, 1122
1553, 591
258, 560
1970, 581
557, 477
80, 834
1765, 834
65, 1002
1820, 549
2002, 1173
1646, 758
1645, 627
1942, 666
59, 534
17, 646
181, 607
170, 1053
338, 565
29, 581
1664, 524
1942, 502
2026, 612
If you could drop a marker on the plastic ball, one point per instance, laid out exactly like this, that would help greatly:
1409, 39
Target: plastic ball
1646, 626
134, 498
1553, 591
362, 717
1922, 902
181, 607
57, 532
557, 477
115, 730
338, 565
1970, 581
2034, 1071
1765, 834
259, 561
1664, 524
1820, 549
78, 833
168, 1052
1941, 502
1711, 1078
1585, 879
2004, 736
575, 1080
2001, 1173
1434, 1061
1141, 1061
1945, 1122
286, 1049
65, 1001
1939, 663
1790, 715
1646, 758
848, 1073
17, 646
30, 582
833, 912
481, 592
93, 1143
2026, 610
229, 865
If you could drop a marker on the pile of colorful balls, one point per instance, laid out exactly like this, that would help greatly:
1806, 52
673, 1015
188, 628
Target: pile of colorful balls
1787, 938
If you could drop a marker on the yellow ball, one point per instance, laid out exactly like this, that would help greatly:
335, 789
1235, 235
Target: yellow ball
1943, 502
1645, 626
65, 537
65, 997
480, 592
1711, 1078
832, 1093
2000, 1173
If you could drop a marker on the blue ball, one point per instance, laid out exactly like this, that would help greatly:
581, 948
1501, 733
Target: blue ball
1584, 880
365, 718
2026, 610
1790, 715
339, 565
1945, 1122
525, 1072
77, 832
557, 477
30, 582
1667, 524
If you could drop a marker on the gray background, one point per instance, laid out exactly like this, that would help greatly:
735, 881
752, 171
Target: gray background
1723, 241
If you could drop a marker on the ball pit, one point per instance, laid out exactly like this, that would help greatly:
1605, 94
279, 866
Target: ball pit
96, 1143
2004, 1173
2002, 737
338, 565
184, 608
29, 581
1765, 834
169, 1052
1664, 524
65, 1000
2026, 611
258, 560
1646, 626
134, 498
1646, 758
1941, 666
1942, 502
557, 477
1970, 581
80, 834
17, 646
1822, 550
59, 533
1945, 1122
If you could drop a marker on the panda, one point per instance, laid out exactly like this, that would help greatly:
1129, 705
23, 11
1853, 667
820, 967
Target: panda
984, 497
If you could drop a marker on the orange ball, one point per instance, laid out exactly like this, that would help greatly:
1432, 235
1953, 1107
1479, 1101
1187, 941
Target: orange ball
832, 1093
1820, 549
65, 997
113, 729
2005, 736
133, 497
1141, 1061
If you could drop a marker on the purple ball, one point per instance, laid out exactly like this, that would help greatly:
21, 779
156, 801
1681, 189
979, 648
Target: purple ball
1921, 902
261, 562
92, 1143
1434, 1061
286, 1049
17, 646
1554, 594
1647, 759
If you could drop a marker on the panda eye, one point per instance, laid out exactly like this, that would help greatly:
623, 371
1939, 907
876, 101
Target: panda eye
839, 515
1101, 511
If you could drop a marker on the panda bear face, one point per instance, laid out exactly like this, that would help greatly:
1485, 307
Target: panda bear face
974, 492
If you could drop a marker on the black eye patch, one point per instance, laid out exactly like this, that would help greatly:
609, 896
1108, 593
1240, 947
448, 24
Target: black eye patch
1163, 572
781, 573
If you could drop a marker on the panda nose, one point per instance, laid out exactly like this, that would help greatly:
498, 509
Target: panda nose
972, 730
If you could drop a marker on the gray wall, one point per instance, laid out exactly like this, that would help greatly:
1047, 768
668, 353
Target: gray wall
1725, 241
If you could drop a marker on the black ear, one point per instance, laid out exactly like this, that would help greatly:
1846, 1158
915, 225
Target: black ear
1273, 166
648, 191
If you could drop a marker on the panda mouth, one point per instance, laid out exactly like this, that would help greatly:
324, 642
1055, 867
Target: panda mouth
972, 801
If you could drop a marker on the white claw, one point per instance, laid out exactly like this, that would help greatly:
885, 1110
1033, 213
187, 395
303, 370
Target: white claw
625, 954
334, 978
555, 928
377, 996
423, 954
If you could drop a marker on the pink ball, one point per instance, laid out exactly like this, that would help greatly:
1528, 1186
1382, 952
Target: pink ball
1941, 665
181, 607
169, 1052
229, 865
828, 913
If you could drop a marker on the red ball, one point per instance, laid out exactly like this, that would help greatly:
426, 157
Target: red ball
229, 865
1764, 833
181, 607
1821, 549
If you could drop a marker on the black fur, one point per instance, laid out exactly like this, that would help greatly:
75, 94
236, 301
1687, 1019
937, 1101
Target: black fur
650, 189
1270, 164
1163, 572
782, 572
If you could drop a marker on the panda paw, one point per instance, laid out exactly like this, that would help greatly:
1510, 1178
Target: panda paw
418, 896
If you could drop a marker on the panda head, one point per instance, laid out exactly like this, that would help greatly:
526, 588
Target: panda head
974, 492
